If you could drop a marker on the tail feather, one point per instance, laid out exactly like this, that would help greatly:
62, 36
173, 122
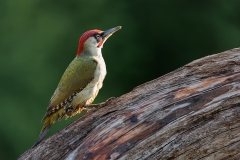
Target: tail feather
43, 133
48, 121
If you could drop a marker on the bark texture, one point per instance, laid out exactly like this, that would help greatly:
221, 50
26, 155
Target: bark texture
190, 113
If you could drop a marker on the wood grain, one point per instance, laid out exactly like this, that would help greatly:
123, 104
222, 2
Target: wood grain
190, 113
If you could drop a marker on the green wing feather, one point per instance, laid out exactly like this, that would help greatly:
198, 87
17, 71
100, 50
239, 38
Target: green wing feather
78, 74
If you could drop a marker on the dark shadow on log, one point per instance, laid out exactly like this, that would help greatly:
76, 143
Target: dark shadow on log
190, 113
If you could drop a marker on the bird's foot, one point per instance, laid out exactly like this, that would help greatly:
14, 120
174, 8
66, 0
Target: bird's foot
109, 100
106, 102
100, 105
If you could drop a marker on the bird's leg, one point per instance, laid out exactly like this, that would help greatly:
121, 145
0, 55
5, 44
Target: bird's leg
100, 105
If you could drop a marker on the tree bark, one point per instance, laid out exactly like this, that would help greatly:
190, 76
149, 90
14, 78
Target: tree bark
190, 113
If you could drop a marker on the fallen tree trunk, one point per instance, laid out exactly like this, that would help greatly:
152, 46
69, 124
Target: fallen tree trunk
190, 113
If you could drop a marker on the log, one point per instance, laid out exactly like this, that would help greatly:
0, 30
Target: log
190, 113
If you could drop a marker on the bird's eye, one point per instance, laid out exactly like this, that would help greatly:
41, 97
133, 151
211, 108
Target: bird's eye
98, 38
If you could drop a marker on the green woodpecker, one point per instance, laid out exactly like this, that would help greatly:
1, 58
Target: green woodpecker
80, 82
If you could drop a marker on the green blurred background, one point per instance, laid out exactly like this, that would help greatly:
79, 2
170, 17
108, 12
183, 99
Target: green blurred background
39, 39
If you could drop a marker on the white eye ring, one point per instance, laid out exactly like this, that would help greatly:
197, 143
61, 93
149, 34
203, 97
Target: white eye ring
98, 36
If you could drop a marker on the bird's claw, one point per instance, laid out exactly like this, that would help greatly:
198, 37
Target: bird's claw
109, 99
100, 105
106, 102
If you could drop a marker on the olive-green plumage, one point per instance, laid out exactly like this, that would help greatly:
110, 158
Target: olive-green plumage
77, 76
80, 82
79, 73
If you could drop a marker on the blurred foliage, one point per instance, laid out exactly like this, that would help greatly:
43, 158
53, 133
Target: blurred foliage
39, 39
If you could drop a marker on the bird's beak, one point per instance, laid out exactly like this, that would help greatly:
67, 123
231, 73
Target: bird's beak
106, 34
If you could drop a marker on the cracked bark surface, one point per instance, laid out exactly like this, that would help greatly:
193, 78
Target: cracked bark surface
190, 113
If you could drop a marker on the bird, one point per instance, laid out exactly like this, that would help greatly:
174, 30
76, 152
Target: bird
81, 81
